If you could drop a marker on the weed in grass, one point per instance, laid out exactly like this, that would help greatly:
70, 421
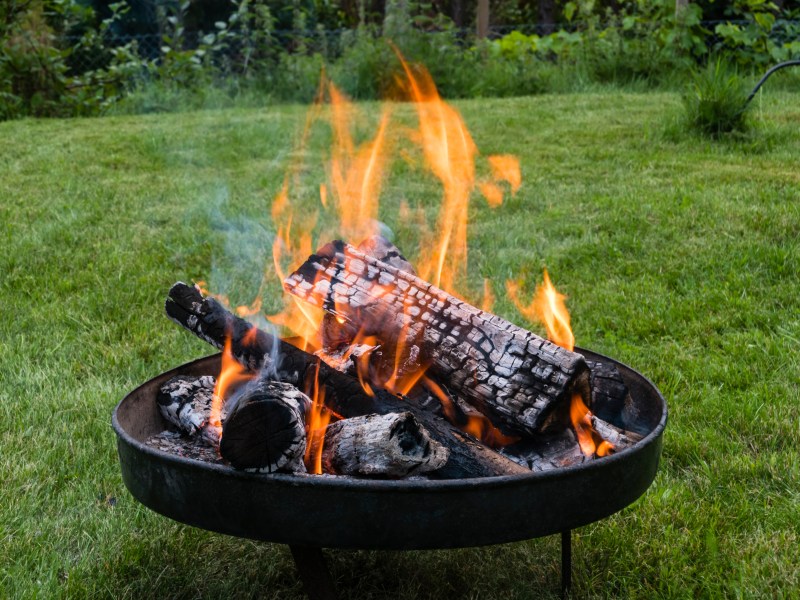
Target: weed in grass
714, 104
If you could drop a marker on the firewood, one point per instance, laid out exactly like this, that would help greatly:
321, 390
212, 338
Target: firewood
185, 402
521, 381
338, 334
264, 430
393, 445
257, 350
609, 392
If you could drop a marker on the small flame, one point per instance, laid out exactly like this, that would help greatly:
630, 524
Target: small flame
505, 167
477, 425
548, 307
230, 375
317, 419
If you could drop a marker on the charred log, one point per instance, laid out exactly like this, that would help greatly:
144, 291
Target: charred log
264, 430
522, 382
393, 445
185, 402
609, 392
256, 349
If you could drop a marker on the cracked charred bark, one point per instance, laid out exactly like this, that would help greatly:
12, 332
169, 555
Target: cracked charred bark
521, 381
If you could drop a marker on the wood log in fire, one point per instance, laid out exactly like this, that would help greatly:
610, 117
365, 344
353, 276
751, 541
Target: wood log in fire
264, 430
258, 350
521, 381
185, 401
392, 445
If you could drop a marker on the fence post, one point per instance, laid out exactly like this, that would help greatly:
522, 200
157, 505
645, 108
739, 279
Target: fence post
483, 18
679, 6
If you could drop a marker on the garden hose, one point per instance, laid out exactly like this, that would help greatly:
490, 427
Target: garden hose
778, 67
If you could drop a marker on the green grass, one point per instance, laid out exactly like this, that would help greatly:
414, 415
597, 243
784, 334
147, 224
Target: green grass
680, 256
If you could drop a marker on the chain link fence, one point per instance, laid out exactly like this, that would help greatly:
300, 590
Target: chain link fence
331, 43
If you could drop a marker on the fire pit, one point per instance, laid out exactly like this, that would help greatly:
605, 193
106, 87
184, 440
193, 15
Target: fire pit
312, 512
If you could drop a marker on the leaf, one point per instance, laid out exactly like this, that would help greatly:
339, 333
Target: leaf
569, 10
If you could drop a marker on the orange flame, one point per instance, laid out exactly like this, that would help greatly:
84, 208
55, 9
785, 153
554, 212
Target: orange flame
477, 425
317, 419
548, 307
450, 154
231, 374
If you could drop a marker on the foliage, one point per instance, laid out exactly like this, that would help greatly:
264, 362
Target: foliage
715, 101
59, 57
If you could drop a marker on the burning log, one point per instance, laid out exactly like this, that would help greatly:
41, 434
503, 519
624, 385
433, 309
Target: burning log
559, 450
258, 350
524, 383
264, 430
392, 445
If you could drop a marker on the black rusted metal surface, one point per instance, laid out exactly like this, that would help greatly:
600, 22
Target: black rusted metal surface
333, 512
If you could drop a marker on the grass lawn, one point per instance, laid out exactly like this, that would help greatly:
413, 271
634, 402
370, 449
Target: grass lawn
680, 257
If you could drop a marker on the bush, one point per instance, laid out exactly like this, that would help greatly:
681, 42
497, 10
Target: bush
715, 101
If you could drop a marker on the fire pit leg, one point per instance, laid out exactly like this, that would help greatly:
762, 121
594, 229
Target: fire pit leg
313, 572
566, 563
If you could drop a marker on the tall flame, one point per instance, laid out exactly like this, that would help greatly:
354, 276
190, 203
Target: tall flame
349, 197
317, 420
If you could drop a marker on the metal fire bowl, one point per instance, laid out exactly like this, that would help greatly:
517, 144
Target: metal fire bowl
338, 512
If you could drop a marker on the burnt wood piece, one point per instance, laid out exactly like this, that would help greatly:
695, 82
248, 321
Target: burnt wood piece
521, 381
185, 401
264, 430
337, 334
394, 445
609, 392
559, 450
616, 436
256, 349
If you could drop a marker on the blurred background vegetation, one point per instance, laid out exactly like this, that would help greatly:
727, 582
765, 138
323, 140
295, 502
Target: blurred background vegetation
87, 57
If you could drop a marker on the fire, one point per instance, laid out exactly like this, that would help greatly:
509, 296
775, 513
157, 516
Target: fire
346, 206
549, 308
477, 425
231, 374
317, 420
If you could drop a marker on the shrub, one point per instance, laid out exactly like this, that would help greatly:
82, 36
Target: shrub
715, 101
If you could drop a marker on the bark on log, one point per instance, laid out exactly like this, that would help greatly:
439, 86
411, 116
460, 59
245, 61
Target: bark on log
522, 382
393, 445
185, 402
264, 431
609, 392
256, 349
